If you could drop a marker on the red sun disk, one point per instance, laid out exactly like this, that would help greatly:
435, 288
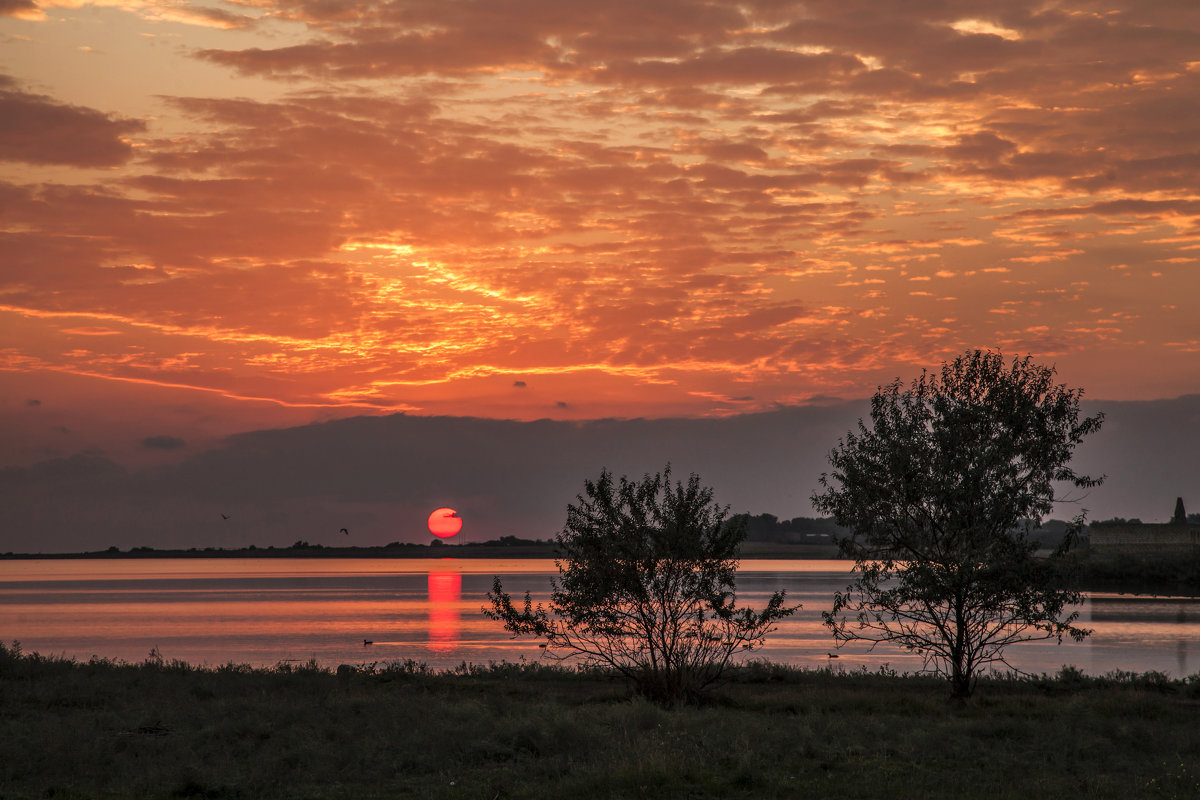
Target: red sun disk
444, 523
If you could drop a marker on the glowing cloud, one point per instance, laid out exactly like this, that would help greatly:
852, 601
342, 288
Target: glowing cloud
638, 209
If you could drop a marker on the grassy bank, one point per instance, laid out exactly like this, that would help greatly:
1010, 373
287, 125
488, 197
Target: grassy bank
163, 730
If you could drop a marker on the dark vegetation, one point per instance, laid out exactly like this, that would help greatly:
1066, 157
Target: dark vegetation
800, 530
940, 491
1149, 573
761, 528
167, 730
800, 537
504, 547
646, 588
768, 528
1191, 519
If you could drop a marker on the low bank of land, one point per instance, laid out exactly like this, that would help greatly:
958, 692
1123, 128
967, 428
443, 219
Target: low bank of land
524, 549
166, 730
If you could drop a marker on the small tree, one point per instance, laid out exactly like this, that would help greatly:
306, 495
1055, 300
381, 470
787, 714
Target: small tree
646, 587
941, 492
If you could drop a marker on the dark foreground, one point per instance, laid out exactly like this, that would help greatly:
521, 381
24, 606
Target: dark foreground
163, 730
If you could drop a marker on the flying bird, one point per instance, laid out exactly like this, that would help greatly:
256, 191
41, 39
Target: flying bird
224, 516
343, 530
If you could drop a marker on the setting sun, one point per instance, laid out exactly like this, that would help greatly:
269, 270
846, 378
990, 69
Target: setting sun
445, 523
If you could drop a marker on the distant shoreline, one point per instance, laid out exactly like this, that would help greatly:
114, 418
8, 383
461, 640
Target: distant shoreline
1139, 575
750, 550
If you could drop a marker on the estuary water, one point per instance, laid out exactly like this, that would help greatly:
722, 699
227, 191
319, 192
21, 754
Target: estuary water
266, 611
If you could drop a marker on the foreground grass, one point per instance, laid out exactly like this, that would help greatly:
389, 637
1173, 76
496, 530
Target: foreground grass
166, 730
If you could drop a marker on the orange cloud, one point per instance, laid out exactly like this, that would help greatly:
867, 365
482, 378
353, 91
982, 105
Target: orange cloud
635, 208
21, 9
39, 130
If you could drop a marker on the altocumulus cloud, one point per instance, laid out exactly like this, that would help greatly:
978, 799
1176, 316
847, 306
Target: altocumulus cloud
650, 208
39, 130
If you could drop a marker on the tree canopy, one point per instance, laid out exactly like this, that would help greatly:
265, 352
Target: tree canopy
941, 492
646, 586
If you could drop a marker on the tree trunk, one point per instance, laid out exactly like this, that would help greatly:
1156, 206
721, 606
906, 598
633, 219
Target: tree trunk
960, 680
960, 685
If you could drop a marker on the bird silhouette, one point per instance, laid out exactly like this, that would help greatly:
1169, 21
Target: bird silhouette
832, 655
343, 530
367, 642
224, 516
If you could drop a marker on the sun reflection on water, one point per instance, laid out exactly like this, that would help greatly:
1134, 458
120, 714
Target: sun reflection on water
445, 591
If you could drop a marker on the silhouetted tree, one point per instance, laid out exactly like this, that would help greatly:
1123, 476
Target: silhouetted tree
1180, 517
646, 587
941, 493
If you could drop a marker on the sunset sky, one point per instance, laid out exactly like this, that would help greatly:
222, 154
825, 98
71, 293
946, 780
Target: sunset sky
236, 215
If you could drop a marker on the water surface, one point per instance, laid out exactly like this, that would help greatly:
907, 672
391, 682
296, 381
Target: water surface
264, 611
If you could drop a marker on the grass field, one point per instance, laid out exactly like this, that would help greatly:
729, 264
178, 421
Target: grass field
166, 730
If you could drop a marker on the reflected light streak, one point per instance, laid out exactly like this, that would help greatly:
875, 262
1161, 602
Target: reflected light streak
445, 591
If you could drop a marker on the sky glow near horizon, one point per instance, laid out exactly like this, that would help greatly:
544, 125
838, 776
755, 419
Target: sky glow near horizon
568, 209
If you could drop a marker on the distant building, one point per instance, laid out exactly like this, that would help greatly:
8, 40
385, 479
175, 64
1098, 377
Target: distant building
1176, 536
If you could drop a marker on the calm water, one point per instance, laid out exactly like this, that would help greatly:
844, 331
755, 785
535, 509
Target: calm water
214, 611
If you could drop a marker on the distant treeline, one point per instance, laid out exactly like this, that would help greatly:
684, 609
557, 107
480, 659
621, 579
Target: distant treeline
823, 530
503, 541
759, 528
1142, 573
798, 530
505, 546
1193, 519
